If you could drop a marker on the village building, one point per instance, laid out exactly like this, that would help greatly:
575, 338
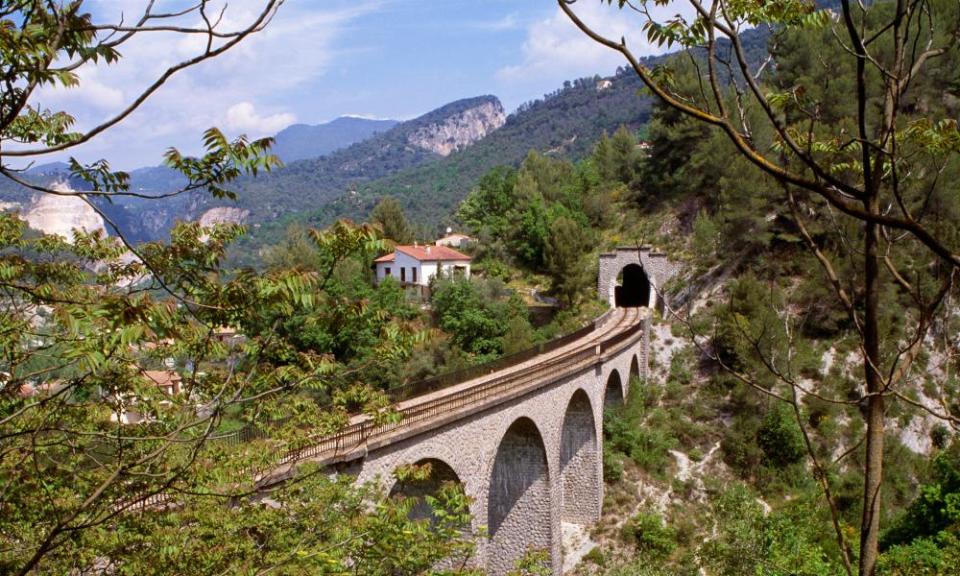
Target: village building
228, 335
417, 265
454, 240
167, 381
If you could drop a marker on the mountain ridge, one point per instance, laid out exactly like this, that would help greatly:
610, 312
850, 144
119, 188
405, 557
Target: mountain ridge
305, 141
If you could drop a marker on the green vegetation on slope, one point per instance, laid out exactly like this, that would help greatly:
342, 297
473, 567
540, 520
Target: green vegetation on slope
564, 124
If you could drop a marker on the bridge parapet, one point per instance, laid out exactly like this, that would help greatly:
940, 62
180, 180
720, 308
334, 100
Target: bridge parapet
437, 408
529, 455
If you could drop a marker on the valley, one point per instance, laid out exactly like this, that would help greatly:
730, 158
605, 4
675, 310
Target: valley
697, 316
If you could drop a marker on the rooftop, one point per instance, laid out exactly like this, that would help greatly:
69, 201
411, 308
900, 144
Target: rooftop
426, 253
163, 377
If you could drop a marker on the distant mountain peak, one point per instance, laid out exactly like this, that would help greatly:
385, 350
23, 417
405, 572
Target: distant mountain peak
468, 122
303, 141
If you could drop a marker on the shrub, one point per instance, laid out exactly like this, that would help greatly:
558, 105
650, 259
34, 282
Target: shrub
639, 431
922, 557
612, 465
740, 450
705, 238
939, 436
647, 532
780, 437
596, 556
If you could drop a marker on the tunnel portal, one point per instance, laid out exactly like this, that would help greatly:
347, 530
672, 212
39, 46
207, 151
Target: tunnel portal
634, 288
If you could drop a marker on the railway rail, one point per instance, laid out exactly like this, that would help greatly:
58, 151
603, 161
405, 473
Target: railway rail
619, 327
566, 356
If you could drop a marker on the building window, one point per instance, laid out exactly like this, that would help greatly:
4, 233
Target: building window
413, 273
386, 271
403, 274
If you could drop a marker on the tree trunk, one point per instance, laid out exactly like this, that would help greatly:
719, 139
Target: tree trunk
873, 472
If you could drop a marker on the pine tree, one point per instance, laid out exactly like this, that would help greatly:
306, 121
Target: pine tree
388, 215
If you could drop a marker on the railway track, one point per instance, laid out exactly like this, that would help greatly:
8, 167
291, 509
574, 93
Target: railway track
615, 329
620, 326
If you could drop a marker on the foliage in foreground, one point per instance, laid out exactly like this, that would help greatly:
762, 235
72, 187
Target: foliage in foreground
82, 323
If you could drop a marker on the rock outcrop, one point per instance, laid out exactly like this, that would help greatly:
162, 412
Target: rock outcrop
459, 130
53, 214
223, 215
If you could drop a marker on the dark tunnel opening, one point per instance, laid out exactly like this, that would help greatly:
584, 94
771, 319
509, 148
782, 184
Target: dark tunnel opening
634, 288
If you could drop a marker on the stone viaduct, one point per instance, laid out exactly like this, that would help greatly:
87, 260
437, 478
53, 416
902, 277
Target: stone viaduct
525, 440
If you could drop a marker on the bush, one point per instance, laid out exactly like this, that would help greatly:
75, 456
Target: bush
596, 556
478, 314
682, 365
936, 509
940, 436
647, 532
705, 239
740, 450
922, 557
612, 465
780, 437
639, 435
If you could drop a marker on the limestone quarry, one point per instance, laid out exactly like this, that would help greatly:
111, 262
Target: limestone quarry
61, 215
460, 130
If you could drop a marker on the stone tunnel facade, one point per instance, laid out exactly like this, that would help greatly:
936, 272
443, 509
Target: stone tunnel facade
656, 268
528, 464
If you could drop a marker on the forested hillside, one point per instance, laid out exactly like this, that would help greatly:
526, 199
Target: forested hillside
303, 185
563, 124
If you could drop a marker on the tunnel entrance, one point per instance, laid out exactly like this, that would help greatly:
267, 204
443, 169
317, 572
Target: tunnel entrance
633, 287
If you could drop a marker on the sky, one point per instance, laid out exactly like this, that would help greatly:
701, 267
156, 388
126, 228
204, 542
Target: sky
320, 59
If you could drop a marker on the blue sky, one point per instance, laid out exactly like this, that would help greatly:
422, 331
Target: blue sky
320, 59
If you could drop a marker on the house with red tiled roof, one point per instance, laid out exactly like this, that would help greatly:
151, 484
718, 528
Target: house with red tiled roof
418, 264
167, 381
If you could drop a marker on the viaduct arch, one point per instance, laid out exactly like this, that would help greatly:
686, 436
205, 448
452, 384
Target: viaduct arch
519, 507
529, 463
580, 463
440, 473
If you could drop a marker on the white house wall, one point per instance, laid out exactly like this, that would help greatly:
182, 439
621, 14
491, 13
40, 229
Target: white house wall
448, 267
425, 270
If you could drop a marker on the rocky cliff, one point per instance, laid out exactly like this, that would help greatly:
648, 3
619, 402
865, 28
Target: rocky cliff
459, 130
306, 185
52, 214
222, 215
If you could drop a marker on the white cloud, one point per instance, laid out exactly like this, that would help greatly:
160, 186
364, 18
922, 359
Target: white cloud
246, 90
556, 50
243, 117
91, 93
508, 22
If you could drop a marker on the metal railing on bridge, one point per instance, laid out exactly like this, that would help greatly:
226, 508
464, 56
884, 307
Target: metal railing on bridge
367, 432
